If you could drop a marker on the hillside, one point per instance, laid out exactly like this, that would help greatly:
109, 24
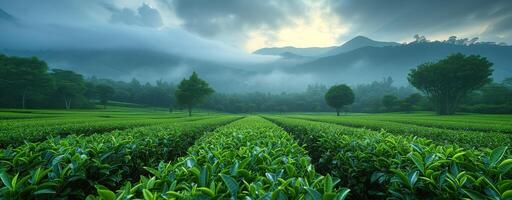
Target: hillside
311, 51
373, 63
356, 43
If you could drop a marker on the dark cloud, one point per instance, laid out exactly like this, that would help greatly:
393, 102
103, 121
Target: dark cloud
144, 16
39, 30
209, 17
6, 16
397, 19
502, 27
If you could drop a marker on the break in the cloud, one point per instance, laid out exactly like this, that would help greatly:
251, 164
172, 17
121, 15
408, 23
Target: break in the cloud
256, 24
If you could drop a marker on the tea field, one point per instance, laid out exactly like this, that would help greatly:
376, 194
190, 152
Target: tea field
138, 153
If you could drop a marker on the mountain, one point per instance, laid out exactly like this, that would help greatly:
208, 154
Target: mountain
373, 63
309, 52
289, 55
356, 43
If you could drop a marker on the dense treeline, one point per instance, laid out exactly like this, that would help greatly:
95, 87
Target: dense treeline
159, 94
28, 82
367, 99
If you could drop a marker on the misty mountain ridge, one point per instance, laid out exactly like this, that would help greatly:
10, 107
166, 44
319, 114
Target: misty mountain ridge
293, 72
373, 63
354, 43
289, 55
309, 51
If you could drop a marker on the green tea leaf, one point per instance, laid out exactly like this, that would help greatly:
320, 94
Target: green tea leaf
416, 158
342, 194
6, 180
203, 177
505, 166
496, 155
231, 184
328, 186
473, 194
313, 194
507, 195
106, 194
206, 191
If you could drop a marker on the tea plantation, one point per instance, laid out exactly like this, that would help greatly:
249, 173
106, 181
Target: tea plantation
119, 154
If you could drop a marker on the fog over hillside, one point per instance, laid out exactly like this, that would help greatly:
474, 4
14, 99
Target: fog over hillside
237, 48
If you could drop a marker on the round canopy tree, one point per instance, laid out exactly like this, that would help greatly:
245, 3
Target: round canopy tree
446, 82
192, 92
105, 93
339, 96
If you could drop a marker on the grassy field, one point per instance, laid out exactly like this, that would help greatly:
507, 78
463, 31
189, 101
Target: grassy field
140, 153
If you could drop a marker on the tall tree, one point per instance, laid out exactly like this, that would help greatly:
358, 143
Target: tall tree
23, 77
104, 93
68, 85
338, 96
447, 81
192, 92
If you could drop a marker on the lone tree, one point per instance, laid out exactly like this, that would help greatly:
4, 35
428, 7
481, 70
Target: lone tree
338, 96
68, 85
104, 93
192, 92
446, 82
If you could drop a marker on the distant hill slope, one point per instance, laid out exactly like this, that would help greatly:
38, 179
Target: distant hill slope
309, 52
373, 63
288, 55
356, 43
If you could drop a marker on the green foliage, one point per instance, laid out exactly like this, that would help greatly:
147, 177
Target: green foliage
15, 133
158, 155
68, 85
484, 135
72, 166
104, 93
22, 78
248, 159
446, 82
381, 165
390, 102
338, 96
193, 91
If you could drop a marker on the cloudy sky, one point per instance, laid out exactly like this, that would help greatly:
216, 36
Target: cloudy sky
233, 28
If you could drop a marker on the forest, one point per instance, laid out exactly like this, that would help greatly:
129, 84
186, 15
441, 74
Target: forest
31, 83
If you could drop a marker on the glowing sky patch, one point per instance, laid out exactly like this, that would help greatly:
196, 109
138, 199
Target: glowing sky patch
317, 30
